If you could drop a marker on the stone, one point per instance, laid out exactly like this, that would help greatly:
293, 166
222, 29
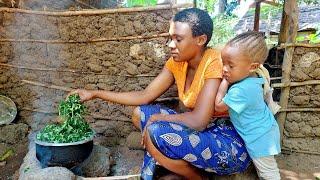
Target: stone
298, 75
294, 116
50, 173
97, 164
3, 163
3, 148
292, 127
131, 68
13, 133
3, 60
95, 67
133, 140
301, 100
136, 52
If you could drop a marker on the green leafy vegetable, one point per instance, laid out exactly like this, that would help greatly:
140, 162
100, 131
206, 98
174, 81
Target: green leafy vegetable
74, 127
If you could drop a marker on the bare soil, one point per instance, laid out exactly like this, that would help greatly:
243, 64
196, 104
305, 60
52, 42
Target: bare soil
293, 166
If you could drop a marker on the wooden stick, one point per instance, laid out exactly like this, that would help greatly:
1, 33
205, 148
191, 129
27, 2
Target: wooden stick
284, 45
299, 109
96, 12
72, 71
70, 89
275, 78
86, 41
301, 151
40, 69
291, 10
292, 84
47, 85
39, 110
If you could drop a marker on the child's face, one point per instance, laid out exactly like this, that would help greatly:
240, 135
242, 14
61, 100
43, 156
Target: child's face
182, 44
236, 65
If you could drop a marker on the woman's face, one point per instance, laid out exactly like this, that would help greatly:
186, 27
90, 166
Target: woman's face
236, 65
182, 44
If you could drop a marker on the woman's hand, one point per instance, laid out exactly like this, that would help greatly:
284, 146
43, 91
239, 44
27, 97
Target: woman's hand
152, 119
85, 95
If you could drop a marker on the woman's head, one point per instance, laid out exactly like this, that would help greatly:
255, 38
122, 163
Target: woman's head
242, 55
190, 31
198, 20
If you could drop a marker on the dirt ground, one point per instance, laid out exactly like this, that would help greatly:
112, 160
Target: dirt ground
293, 166
12, 164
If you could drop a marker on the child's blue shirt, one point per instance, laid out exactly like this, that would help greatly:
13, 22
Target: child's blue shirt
252, 118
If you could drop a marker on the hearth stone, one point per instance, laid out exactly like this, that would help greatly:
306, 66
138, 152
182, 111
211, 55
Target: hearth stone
96, 165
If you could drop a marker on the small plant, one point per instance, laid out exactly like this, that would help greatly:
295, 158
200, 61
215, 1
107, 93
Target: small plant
223, 29
133, 3
73, 128
311, 38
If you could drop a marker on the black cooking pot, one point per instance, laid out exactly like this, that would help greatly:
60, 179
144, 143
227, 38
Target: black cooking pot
63, 154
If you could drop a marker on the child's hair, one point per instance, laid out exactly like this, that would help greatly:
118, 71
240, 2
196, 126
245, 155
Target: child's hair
199, 21
253, 44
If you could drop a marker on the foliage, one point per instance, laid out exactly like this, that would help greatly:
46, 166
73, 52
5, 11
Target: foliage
311, 38
133, 3
74, 128
267, 10
223, 29
208, 5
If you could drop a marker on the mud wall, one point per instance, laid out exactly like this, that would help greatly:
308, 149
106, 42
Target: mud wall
65, 51
302, 129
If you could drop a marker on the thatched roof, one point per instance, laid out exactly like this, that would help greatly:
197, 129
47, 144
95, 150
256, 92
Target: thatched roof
309, 18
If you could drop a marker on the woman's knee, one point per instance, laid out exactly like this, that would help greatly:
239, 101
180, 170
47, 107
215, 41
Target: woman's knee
136, 116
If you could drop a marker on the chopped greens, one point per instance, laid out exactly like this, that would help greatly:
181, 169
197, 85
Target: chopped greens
73, 128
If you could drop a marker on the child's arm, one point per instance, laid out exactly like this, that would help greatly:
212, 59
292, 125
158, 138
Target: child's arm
220, 106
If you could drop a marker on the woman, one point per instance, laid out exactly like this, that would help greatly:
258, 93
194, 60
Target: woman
189, 142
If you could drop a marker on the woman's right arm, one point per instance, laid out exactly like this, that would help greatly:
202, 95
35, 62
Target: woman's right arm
155, 89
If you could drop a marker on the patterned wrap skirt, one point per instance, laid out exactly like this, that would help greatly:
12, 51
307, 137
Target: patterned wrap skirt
217, 149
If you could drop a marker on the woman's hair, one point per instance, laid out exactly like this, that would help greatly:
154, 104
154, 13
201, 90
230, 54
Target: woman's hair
199, 21
253, 44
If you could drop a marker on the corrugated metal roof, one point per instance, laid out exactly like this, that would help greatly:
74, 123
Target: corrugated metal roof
309, 18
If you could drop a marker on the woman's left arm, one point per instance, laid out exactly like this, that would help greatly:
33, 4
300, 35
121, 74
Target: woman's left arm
200, 116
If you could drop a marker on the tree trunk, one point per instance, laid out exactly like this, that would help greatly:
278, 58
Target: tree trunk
222, 6
289, 28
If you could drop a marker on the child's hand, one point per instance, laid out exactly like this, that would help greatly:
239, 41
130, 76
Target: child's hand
225, 81
85, 95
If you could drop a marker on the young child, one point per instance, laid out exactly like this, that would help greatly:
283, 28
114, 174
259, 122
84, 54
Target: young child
241, 93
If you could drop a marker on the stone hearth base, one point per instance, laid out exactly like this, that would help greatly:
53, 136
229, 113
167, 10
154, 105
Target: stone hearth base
96, 165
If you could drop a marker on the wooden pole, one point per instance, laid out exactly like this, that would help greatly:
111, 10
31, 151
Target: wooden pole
86, 41
257, 16
67, 89
96, 11
72, 71
284, 45
291, 10
299, 110
282, 38
291, 84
